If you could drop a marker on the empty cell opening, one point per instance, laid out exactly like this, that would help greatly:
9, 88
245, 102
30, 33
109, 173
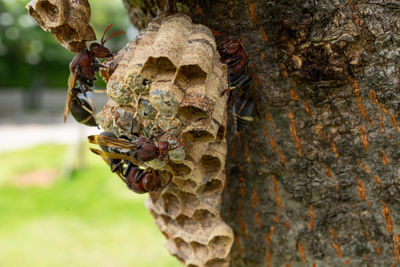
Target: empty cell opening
189, 225
198, 136
205, 218
185, 185
180, 169
156, 66
213, 186
183, 247
200, 250
210, 165
220, 246
172, 204
215, 263
192, 113
190, 201
66, 31
189, 76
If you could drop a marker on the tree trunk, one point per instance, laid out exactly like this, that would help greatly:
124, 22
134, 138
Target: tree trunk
315, 179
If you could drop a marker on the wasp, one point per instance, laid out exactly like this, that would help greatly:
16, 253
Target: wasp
84, 66
239, 79
142, 149
82, 108
137, 179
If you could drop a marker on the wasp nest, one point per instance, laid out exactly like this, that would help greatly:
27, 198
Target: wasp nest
67, 20
170, 79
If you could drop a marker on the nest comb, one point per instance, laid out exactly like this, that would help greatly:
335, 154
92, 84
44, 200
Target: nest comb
170, 77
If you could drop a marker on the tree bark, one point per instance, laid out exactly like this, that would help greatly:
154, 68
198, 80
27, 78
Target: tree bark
315, 179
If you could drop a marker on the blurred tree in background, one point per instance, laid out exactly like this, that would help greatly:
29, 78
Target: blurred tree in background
29, 56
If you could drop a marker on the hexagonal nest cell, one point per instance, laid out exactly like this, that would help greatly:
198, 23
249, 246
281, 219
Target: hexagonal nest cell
168, 81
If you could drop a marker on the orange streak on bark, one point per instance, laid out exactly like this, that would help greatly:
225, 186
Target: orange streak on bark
307, 108
364, 138
312, 215
268, 235
301, 252
337, 249
264, 34
282, 157
264, 159
269, 118
396, 240
243, 229
334, 149
273, 144
293, 82
363, 167
265, 130
314, 264
294, 95
385, 160
346, 263
328, 171
268, 259
377, 180
256, 80
361, 189
381, 124
239, 137
388, 218
294, 133
284, 72
255, 199
362, 109
394, 122
275, 184
239, 249
258, 220
246, 151
354, 85
253, 13
333, 234
287, 264
278, 201
276, 218
372, 95
199, 10
384, 110
319, 130
261, 54
287, 227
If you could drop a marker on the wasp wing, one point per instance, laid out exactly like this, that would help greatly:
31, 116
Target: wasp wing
71, 84
114, 155
110, 142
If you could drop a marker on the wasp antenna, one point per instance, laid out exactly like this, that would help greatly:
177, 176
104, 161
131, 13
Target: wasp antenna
104, 33
112, 35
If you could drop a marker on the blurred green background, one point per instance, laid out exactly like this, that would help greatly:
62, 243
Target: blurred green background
59, 204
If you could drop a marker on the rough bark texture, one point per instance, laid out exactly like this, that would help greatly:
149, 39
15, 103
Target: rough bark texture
316, 179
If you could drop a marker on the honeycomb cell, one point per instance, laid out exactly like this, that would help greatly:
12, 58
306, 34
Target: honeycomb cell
185, 185
213, 186
200, 250
184, 248
158, 69
210, 165
220, 246
189, 203
121, 94
181, 169
221, 133
205, 217
189, 225
172, 204
162, 98
189, 76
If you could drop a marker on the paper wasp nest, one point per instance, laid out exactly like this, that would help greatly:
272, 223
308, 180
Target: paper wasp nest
171, 77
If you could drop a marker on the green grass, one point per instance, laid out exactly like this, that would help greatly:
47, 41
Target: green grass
91, 219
